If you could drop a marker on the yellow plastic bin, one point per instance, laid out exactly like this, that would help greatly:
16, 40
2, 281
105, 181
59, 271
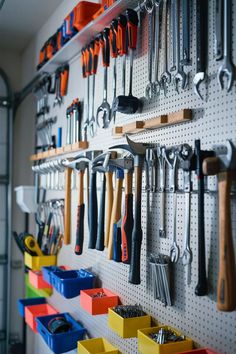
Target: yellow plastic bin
96, 345
147, 345
127, 327
37, 262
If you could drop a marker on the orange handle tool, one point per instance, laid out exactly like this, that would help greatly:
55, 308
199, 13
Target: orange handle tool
122, 42
64, 80
113, 38
132, 18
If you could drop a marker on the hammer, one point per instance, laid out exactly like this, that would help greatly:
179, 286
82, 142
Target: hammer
224, 166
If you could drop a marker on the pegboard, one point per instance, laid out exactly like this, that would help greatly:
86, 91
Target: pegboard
213, 122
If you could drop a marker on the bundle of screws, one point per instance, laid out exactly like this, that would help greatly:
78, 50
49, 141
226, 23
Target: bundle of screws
160, 275
129, 311
165, 336
99, 294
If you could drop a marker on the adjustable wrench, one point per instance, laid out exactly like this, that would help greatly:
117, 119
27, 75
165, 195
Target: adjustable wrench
227, 68
149, 8
162, 168
166, 76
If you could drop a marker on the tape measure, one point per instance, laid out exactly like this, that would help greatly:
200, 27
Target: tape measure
59, 325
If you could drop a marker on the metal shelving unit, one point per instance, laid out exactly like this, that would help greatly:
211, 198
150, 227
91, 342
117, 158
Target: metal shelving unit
72, 48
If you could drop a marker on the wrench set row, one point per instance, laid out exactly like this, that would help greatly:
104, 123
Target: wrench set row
121, 232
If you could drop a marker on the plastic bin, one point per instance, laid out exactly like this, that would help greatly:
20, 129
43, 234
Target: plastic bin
31, 312
96, 346
37, 262
83, 13
47, 271
22, 303
26, 198
147, 345
127, 327
60, 342
36, 279
98, 305
69, 283
198, 351
32, 292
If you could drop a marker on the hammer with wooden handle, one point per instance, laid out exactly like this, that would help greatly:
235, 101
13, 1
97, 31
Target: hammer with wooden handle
224, 166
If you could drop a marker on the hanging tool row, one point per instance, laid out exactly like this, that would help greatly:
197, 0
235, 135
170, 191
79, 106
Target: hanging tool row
122, 234
49, 240
50, 219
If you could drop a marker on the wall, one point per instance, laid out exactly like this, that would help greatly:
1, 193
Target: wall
213, 122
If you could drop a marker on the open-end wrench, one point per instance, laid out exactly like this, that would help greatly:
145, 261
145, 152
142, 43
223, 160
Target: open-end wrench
202, 35
180, 76
149, 8
162, 169
151, 170
185, 156
166, 75
173, 33
156, 86
186, 6
171, 160
86, 104
104, 108
218, 35
227, 69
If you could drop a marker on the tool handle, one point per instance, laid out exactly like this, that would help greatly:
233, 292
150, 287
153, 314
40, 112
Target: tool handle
80, 216
93, 210
101, 218
132, 18
113, 38
67, 209
64, 80
122, 40
116, 210
137, 234
128, 220
83, 62
108, 203
95, 48
202, 34
105, 46
117, 254
226, 300
88, 58
211, 166
201, 287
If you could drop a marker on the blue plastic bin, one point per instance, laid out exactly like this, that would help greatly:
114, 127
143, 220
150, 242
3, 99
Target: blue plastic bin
69, 283
22, 303
61, 342
47, 271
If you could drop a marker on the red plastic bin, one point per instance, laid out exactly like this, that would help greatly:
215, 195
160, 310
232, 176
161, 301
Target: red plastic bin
83, 13
98, 305
31, 312
199, 351
36, 279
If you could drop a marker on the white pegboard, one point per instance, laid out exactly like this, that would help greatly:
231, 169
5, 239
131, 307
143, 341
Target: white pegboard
213, 122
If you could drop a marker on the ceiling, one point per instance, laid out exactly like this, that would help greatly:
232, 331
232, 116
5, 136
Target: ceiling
21, 19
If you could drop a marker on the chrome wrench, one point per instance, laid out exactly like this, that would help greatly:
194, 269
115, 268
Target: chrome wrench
149, 8
156, 86
166, 76
162, 169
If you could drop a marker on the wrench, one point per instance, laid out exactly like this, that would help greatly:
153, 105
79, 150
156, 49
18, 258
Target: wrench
166, 76
201, 28
171, 159
186, 61
227, 69
185, 156
105, 107
218, 35
174, 19
162, 168
156, 86
180, 76
149, 8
